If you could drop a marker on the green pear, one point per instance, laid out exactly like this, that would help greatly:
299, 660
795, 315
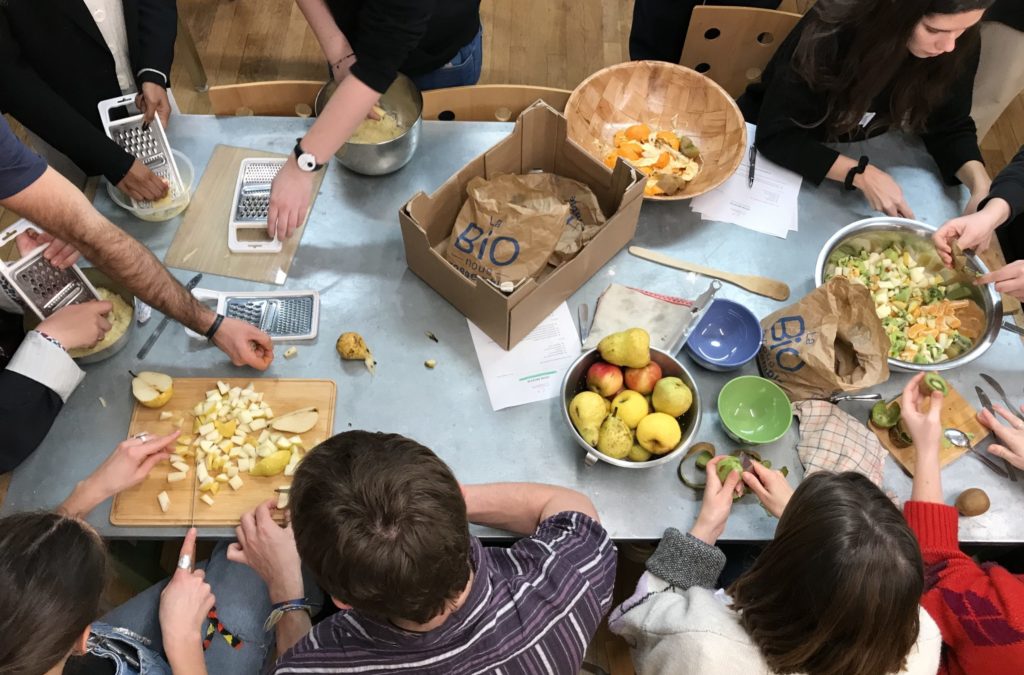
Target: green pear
630, 348
638, 454
615, 438
587, 410
671, 396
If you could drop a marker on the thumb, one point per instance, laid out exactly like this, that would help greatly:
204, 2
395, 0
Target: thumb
236, 554
755, 485
731, 481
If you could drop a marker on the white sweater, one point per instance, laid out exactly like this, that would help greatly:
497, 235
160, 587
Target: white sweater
693, 632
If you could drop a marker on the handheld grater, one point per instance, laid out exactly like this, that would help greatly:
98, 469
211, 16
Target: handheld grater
251, 204
283, 315
149, 145
36, 285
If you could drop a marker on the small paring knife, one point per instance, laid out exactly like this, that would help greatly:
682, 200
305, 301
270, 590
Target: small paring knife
1002, 394
986, 402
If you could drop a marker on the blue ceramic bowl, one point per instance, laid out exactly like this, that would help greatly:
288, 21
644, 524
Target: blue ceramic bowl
727, 336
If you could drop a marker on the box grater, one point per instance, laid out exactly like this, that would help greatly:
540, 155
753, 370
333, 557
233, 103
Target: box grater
36, 285
149, 145
251, 204
283, 315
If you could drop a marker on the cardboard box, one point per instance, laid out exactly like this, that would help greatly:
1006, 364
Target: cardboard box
539, 141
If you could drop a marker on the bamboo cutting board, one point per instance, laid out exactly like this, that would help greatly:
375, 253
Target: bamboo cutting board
201, 242
138, 506
957, 413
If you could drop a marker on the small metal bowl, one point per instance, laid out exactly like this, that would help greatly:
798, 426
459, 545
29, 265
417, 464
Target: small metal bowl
575, 381
916, 237
403, 99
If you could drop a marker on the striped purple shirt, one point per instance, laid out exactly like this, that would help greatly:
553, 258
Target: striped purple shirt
533, 608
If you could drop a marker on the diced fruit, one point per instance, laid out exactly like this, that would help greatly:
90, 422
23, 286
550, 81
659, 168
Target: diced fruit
235, 482
164, 501
282, 500
176, 476
207, 499
223, 387
272, 465
258, 424
164, 416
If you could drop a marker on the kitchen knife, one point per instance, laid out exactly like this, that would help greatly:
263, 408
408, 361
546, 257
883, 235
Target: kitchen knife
702, 301
986, 403
1013, 328
193, 282
964, 264
583, 314
1002, 394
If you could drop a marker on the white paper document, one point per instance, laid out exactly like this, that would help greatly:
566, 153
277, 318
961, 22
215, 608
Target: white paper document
533, 369
769, 206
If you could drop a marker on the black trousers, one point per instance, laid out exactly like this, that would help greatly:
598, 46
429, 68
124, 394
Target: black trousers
659, 26
1011, 238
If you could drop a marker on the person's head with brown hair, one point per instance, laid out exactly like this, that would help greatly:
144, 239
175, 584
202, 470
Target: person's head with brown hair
850, 50
838, 588
52, 571
381, 522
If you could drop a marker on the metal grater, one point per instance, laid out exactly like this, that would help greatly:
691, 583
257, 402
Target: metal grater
37, 285
283, 315
251, 204
148, 145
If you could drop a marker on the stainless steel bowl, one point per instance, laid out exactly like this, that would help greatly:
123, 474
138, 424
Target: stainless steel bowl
377, 159
575, 381
916, 237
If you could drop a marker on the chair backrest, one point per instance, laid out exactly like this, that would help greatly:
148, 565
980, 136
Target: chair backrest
285, 98
795, 6
488, 102
732, 45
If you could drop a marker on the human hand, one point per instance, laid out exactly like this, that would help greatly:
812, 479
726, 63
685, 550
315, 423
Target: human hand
1008, 279
153, 101
717, 503
290, 194
269, 550
141, 184
184, 603
770, 486
244, 344
924, 428
59, 253
77, 326
882, 192
1010, 435
973, 232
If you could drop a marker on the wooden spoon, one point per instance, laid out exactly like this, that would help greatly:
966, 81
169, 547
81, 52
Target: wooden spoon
770, 288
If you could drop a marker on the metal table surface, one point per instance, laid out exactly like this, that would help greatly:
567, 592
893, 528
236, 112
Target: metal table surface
352, 253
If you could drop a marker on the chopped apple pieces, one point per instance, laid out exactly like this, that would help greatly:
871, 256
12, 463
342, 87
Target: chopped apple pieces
164, 501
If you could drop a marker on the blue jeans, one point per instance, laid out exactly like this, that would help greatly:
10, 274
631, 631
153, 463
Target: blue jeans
462, 70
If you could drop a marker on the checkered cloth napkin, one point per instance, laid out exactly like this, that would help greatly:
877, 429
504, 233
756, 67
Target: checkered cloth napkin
832, 440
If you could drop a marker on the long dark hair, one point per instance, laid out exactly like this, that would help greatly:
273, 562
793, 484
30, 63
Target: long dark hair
849, 50
837, 590
52, 571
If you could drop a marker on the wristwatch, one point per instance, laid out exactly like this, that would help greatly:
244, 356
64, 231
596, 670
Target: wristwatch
305, 160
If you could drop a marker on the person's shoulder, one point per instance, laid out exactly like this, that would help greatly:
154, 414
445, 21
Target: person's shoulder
326, 644
572, 530
570, 539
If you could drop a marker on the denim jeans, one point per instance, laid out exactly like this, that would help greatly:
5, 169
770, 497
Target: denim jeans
462, 70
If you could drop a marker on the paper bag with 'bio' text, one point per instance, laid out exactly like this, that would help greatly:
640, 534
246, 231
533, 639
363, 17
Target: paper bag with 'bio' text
830, 341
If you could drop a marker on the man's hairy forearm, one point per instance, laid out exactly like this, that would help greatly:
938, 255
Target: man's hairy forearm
55, 206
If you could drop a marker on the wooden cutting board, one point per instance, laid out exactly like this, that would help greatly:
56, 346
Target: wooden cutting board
201, 242
957, 413
139, 506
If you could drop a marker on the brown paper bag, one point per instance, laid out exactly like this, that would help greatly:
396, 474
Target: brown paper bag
831, 341
585, 218
510, 225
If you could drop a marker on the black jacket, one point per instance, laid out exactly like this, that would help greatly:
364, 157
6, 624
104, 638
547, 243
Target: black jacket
55, 67
1009, 12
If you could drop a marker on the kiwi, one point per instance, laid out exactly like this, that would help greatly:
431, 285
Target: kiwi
885, 415
972, 502
933, 382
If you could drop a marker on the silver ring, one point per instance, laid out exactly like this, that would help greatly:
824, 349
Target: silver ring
185, 562
141, 436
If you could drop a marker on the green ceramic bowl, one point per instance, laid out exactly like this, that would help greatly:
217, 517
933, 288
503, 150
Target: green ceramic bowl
754, 410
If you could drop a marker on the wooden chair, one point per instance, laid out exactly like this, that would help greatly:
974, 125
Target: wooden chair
795, 6
286, 98
732, 45
488, 102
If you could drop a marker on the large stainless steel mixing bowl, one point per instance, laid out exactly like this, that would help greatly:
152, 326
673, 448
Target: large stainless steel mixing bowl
877, 233
377, 159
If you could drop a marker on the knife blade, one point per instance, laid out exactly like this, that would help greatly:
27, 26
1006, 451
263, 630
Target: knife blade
986, 403
583, 314
1002, 394
963, 262
193, 282
1013, 328
702, 301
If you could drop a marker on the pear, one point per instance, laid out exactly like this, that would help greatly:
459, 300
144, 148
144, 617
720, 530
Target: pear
587, 410
615, 438
297, 421
630, 407
630, 348
272, 465
152, 390
658, 433
638, 454
672, 396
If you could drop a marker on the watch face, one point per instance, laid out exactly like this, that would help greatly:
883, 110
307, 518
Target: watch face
307, 162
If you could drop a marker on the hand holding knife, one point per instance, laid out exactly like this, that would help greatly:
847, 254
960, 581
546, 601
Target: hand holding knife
986, 403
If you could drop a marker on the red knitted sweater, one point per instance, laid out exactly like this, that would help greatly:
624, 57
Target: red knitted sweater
979, 608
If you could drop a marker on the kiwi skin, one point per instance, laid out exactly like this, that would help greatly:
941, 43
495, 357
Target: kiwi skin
972, 502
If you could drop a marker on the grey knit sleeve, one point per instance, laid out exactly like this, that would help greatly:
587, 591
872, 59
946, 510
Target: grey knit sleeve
685, 561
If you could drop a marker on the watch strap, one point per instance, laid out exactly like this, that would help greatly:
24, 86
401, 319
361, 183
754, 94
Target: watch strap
299, 152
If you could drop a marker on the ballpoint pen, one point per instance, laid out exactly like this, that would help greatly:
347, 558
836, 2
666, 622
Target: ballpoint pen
752, 162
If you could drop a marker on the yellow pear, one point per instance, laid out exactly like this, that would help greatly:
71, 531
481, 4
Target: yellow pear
630, 407
587, 410
615, 439
658, 433
630, 348
272, 465
152, 390
638, 454
671, 396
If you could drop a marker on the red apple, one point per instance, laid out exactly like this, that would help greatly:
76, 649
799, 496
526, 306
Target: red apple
643, 379
604, 378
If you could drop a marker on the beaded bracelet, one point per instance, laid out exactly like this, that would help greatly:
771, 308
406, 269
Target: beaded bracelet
51, 340
337, 63
278, 610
